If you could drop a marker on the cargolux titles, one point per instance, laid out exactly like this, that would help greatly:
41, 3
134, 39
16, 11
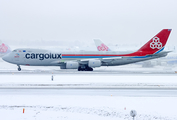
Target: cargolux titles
42, 56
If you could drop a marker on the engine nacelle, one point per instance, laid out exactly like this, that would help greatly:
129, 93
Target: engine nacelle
70, 65
94, 63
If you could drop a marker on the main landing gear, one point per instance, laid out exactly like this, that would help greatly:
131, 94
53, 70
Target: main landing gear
19, 69
85, 68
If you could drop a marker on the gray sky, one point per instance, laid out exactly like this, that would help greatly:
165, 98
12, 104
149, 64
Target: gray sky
80, 21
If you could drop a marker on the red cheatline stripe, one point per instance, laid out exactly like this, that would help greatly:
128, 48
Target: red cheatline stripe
131, 54
87, 55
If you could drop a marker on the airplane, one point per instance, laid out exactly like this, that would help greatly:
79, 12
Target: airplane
87, 60
101, 46
4, 49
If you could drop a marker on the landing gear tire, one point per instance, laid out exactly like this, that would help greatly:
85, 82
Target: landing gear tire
19, 69
79, 69
85, 69
89, 69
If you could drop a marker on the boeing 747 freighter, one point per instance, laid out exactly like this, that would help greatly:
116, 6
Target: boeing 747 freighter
85, 60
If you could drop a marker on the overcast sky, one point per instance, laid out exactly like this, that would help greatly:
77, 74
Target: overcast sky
64, 21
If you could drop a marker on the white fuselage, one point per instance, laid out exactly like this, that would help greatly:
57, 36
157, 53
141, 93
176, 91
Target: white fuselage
36, 57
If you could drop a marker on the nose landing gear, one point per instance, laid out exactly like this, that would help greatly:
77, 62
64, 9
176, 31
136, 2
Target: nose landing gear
19, 69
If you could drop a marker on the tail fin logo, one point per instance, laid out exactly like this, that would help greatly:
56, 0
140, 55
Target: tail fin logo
155, 43
102, 47
3, 48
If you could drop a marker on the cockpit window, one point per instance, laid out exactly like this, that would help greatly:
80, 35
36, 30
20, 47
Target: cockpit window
14, 51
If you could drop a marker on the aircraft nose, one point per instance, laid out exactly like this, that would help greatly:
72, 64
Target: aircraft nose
6, 57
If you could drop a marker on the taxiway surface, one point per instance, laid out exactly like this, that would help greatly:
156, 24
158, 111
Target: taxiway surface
92, 92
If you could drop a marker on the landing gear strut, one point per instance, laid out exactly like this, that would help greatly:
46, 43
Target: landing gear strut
19, 69
85, 68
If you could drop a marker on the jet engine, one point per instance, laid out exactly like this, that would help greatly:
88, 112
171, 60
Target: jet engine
70, 65
94, 63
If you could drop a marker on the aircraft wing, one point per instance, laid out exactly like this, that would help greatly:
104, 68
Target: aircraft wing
103, 60
89, 61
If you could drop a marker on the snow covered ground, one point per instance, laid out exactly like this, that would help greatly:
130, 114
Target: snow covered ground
76, 107
50, 105
54, 106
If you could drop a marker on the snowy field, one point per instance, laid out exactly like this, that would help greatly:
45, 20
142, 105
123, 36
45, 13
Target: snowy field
74, 107
107, 104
